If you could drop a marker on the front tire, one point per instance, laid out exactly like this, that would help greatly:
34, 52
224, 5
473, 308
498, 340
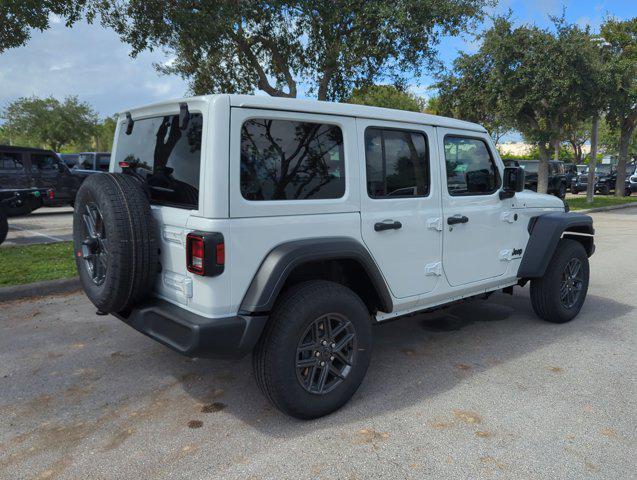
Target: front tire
315, 350
558, 296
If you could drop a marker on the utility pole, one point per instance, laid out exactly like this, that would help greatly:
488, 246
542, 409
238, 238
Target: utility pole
592, 162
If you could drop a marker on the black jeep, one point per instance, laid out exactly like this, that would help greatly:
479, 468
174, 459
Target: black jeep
557, 181
25, 168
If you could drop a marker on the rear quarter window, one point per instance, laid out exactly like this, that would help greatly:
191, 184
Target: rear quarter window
166, 156
291, 160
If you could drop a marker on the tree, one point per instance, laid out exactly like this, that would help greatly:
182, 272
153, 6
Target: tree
534, 80
19, 17
621, 39
461, 94
387, 96
48, 122
577, 134
333, 47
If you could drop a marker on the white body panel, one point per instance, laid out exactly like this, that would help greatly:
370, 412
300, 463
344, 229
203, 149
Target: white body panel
471, 257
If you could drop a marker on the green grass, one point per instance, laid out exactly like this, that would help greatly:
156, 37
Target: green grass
579, 203
33, 263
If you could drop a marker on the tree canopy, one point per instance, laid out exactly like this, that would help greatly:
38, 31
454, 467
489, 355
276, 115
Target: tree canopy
47, 122
333, 47
528, 78
19, 17
387, 96
619, 40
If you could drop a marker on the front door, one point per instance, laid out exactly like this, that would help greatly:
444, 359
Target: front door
400, 204
475, 230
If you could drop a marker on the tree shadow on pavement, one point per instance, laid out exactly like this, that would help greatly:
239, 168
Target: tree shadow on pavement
414, 358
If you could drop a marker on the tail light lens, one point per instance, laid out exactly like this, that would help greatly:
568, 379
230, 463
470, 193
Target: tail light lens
205, 253
51, 195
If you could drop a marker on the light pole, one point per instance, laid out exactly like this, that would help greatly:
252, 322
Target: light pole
592, 163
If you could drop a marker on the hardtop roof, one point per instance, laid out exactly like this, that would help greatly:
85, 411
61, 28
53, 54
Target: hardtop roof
326, 108
24, 149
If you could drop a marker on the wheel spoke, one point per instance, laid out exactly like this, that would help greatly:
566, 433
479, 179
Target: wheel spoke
334, 371
307, 362
342, 326
342, 358
90, 225
322, 379
343, 342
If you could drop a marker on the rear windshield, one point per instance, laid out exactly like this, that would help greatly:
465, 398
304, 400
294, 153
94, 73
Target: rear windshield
166, 156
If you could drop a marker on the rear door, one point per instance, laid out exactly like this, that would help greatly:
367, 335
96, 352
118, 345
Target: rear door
400, 204
13, 173
169, 158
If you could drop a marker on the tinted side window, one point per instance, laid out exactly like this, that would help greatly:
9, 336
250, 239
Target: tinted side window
103, 162
291, 160
396, 163
470, 167
11, 162
166, 156
44, 162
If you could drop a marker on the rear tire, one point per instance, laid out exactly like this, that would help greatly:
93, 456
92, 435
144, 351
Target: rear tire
118, 263
4, 226
287, 359
558, 296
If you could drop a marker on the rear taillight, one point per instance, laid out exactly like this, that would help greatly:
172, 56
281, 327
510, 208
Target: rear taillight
51, 195
205, 253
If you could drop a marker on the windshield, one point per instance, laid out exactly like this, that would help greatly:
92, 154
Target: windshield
167, 156
530, 167
605, 168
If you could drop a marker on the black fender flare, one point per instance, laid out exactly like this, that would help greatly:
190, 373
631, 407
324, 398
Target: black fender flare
284, 258
545, 233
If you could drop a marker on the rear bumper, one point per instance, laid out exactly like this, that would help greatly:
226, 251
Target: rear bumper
193, 335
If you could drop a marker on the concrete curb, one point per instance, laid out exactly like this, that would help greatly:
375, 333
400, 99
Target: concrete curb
606, 209
40, 289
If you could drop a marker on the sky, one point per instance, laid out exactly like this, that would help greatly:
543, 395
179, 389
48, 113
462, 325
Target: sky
91, 62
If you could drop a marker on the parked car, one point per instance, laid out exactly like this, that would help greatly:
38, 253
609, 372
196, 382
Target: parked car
557, 176
98, 161
297, 225
580, 183
605, 183
22, 167
570, 172
631, 180
70, 159
11, 198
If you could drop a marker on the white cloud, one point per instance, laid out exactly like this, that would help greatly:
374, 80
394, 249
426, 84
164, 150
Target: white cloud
88, 61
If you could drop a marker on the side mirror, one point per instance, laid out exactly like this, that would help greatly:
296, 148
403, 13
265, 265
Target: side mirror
513, 181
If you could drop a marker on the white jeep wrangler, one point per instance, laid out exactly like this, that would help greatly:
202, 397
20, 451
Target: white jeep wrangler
231, 224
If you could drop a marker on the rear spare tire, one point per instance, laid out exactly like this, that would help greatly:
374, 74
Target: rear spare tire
114, 241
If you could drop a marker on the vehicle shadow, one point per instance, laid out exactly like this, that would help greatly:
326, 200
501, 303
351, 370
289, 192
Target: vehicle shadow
414, 358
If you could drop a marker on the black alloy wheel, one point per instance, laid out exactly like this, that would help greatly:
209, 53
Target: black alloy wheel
95, 244
325, 354
571, 284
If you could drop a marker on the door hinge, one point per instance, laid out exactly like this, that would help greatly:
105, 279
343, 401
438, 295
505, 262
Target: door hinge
433, 269
435, 224
509, 217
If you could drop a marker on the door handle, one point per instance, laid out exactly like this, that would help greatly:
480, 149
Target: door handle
457, 219
388, 225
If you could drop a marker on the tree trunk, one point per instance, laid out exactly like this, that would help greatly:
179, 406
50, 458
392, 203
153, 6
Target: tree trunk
624, 140
543, 169
592, 163
557, 150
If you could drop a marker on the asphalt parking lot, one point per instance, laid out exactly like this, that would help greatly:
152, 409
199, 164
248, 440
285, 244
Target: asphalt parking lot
481, 390
45, 225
